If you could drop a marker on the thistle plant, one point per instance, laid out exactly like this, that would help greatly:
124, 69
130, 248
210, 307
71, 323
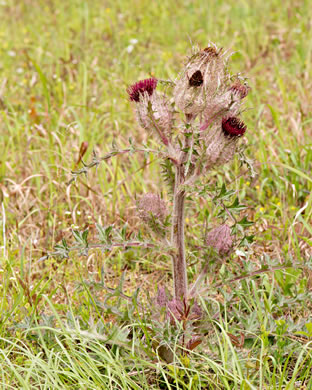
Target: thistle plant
199, 127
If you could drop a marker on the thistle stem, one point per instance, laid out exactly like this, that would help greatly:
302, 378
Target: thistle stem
177, 236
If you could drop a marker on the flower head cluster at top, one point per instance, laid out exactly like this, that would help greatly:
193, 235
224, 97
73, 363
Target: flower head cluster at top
210, 99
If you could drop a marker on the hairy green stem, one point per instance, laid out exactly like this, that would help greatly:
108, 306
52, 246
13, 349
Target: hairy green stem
177, 236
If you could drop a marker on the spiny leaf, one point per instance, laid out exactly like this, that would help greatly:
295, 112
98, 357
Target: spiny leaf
224, 194
168, 173
245, 223
236, 206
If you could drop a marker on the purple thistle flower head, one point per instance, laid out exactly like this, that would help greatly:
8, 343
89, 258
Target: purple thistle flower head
233, 127
142, 86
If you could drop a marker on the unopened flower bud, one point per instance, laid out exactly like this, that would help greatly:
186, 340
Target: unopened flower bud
152, 207
220, 239
240, 89
201, 78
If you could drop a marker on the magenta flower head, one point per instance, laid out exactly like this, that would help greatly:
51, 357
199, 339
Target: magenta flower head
153, 110
233, 127
138, 89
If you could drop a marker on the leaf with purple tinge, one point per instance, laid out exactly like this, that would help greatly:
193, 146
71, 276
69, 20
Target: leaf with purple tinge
174, 311
196, 312
193, 343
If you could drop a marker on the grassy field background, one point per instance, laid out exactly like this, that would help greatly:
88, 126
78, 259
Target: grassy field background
65, 67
